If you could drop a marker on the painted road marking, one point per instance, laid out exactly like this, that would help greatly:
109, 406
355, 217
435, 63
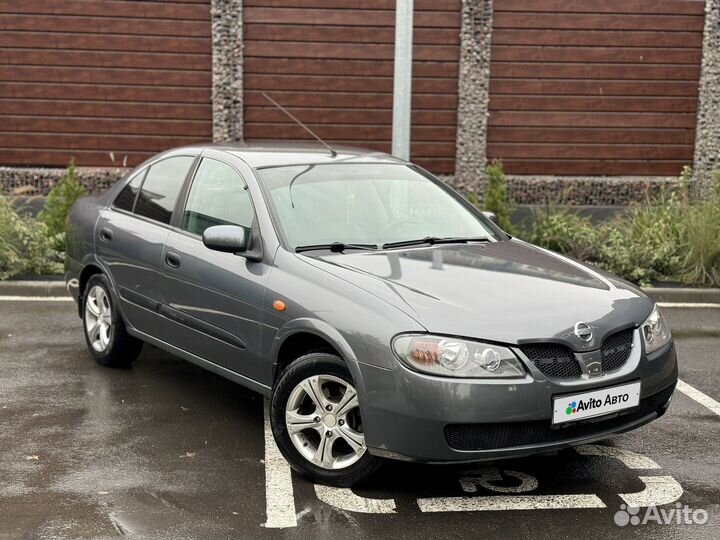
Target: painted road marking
509, 502
697, 395
484, 477
36, 299
658, 490
345, 499
279, 496
631, 460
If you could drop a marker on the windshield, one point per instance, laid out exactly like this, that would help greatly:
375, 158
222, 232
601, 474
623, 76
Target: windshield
364, 204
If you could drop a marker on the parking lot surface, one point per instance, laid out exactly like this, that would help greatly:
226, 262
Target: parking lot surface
167, 450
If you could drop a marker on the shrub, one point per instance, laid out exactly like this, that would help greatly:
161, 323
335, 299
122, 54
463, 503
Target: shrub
496, 196
701, 263
26, 245
58, 204
562, 230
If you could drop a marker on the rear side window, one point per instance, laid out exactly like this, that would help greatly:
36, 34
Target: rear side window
217, 197
161, 188
126, 198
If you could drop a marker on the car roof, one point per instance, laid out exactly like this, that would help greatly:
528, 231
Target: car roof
278, 154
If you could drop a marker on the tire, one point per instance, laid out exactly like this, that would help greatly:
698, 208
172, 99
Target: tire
345, 465
105, 333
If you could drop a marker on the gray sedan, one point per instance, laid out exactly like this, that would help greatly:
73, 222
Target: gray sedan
383, 315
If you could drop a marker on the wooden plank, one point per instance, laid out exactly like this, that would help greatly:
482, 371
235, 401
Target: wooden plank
328, 83
109, 93
594, 167
594, 21
591, 135
345, 34
597, 87
356, 68
109, 25
669, 7
112, 143
105, 76
350, 99
574, 119
103, 42
420, 5
61, 157
593, 103
611, 55
106, 126
595, 71
263, 130
346, 116
367, 51
355, 17
437, 165
36, 107
133, 60
599, 38
110, 8
590, 151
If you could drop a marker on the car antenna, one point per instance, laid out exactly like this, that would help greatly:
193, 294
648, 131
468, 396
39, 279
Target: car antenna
333, 153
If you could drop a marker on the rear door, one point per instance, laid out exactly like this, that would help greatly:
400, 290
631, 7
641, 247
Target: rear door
214, 298
131, 234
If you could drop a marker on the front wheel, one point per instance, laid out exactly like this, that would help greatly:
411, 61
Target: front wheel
105, 333
315, 416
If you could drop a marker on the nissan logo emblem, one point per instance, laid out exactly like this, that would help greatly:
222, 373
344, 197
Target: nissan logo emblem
583, 331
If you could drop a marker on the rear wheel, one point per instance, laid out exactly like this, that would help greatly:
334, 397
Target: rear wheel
105, 332
316, 421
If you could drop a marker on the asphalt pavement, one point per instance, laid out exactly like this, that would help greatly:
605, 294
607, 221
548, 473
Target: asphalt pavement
166, 450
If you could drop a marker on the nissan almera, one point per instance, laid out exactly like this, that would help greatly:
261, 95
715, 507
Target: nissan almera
382, 314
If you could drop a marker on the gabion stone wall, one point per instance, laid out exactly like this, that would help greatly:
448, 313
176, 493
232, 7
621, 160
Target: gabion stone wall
473, 95
227, 69
39, 181
707, 138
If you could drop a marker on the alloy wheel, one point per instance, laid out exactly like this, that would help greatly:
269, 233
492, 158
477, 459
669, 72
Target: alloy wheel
323, 421
98, 318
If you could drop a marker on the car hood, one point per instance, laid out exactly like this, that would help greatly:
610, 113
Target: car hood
509, 292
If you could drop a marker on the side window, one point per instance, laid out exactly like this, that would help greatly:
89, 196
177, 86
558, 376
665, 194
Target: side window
126, 198
217, 197
161, 188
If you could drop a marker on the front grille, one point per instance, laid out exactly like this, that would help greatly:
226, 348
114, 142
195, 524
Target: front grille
470, 437
616, 350
553, 360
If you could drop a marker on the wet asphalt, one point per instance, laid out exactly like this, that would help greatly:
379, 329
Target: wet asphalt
166, 450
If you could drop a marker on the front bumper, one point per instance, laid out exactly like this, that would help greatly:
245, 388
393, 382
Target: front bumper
412, 416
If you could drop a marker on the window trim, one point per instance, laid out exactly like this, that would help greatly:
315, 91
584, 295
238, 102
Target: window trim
191, 170
185, 196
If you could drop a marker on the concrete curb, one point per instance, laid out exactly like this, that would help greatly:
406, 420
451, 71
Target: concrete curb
33, 288
659, 294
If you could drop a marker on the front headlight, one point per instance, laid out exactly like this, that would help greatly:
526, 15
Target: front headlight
453, 357
655, 331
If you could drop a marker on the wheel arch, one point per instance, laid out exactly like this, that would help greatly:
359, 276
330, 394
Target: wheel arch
302, 336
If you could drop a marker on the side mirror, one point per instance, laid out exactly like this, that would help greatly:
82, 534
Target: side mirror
491, 216
227, 238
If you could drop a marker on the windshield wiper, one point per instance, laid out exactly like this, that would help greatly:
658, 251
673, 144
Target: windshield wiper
335, 247
432, 240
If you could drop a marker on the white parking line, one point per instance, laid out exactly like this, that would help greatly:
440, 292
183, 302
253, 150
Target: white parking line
697, 395
509, 502
345, 499
35, 299
279, 496
658, 490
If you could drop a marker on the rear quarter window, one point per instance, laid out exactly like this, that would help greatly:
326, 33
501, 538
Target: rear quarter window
126, 198
161, 188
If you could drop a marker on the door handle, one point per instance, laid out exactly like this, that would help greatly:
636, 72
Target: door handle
106, 234
172, 259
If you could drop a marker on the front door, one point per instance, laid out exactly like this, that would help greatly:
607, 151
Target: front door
213, 297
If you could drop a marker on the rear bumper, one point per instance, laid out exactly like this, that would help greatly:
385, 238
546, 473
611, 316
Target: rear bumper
73, 269
410, 416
